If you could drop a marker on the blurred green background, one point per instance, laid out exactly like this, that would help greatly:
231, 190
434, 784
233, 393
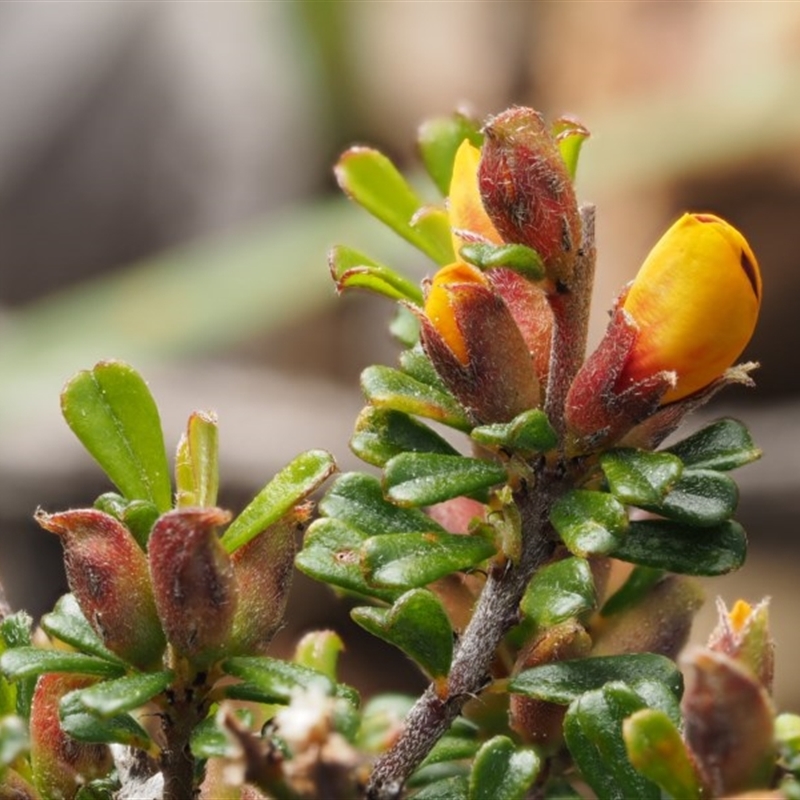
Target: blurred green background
166, 198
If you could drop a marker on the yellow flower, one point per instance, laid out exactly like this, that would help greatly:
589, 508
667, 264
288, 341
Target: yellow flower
695, 303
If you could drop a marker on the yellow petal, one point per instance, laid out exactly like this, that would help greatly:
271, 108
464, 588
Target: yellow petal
465, 205
439, 305
696, 301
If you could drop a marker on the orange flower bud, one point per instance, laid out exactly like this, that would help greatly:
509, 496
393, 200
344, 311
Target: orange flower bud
107, 572
673, 336
695, 302
476, 346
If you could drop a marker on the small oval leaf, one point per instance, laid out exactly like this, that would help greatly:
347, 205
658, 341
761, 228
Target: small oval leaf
503, 771
382, 433
723, 445
439, 139
386, 387
640, 478
563, 681
409, 560
559, 591
421, 479
700, 497
418, 625
117, 696
689, 551
110, 409
589, 522
351, 269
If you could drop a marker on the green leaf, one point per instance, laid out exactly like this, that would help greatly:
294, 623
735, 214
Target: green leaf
197, 463
139, 516
386, 387
382, 717
700, 497
593, 733
292, 484
67, 623
530, 432
570, 136
516, 257
351, 269
787, 737
15, 631
382, 433
110, 409
109, 698
418, 625
370, 179
455, 787
688, 551
88, 727
433, 223
559, 591
357, 499
639, 478
274, 679
421, 479
320, 650
24, 662
561, 682
332, 554
457, 745
439, 139
405, 327
589, 522
655, 747
503, 771
723, 445
636, 586
409, 560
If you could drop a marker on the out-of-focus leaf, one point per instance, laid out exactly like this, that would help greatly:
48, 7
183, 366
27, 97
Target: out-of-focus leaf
561, 682
640, 478
332, 553
319, 650
530, 432
593, 733
433, 222
559, 591
292, 484
110, 409
590, 523
276, 679
409, 560
351, 269
357, 499
24, 662
390, 388
418, 625
656, 749
421, 479
503, 771
108, 698
516, 257
382, 433
689, 551
723, 445
439, 139
13, 739
382, 719
197, 462
370, 179
455, 787
405, 327
67, 623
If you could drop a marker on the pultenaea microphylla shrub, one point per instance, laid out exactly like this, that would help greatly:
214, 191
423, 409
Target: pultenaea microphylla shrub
540, 576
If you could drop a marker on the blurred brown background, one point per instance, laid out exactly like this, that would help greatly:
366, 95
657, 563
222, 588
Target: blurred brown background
166, 198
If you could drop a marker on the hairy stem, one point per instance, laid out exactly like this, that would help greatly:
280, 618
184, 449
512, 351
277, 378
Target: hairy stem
495, 614
497, 609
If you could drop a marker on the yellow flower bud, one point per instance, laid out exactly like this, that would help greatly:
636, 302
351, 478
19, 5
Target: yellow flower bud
440, 304
695, 303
